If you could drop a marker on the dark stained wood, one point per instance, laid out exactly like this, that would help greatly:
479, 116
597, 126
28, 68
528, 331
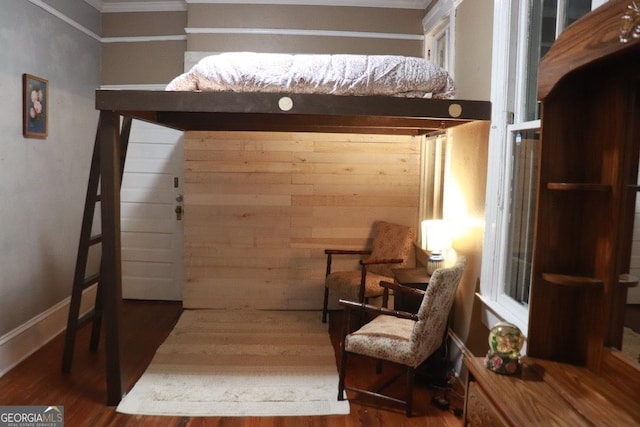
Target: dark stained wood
617, 320
599, 401
522, 399
82, 281
570, 186
586, 41
550, 393
587, 140
299, 123
572, 281
38, 381
111, 266
618, 371
82, 257
412, 276
310, 113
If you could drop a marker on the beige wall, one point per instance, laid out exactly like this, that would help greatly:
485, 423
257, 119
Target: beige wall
358, 19
302, 44
133, 54
260, 208
350, 20
473, 39
464, 206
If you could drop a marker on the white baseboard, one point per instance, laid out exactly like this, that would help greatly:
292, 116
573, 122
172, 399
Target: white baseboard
26, 339
457, 352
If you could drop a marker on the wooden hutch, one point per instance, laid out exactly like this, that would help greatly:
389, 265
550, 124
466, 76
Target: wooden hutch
589, 86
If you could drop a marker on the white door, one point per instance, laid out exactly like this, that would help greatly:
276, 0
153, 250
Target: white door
152, 232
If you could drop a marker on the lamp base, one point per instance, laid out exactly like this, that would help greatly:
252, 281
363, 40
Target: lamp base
435, 261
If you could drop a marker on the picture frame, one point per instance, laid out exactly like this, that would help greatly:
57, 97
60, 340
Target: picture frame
35, 112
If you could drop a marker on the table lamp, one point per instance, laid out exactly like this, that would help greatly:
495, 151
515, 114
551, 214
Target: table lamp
436, 239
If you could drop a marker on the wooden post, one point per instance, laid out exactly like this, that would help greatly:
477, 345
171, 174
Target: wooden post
111, 273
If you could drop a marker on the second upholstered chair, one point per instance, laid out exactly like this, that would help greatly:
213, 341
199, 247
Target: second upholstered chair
392, 247
403, 338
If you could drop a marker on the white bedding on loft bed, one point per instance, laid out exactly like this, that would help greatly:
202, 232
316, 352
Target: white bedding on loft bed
388, 75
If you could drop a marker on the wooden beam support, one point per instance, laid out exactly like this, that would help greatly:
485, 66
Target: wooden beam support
228, 111
110, 169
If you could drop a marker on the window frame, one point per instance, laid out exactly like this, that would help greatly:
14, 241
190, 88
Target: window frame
439, 22
509, 64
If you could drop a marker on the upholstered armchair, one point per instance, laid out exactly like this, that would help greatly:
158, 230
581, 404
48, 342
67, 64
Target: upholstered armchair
392, 248
403, 338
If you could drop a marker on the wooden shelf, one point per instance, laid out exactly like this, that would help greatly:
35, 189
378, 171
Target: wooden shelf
572, 281
628, 280
577, 186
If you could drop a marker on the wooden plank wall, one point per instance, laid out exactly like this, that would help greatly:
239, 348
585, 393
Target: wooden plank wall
260, 208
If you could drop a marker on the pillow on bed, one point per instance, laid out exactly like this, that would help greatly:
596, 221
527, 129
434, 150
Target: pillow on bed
324, 74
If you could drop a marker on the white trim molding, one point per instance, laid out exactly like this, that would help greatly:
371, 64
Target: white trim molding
26, 339
296, 32
96, 4
392, 4
139, 6
143, 39
181, 5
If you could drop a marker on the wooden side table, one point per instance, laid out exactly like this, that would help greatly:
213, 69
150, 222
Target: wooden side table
416, 278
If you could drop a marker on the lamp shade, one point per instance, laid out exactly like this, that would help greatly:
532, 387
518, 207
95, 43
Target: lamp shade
436, 235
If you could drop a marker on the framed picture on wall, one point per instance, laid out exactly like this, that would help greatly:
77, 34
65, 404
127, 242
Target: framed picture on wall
34, 109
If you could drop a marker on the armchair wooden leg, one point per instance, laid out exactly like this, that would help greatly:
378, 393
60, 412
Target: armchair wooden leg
410, 381
342, 372
325, 304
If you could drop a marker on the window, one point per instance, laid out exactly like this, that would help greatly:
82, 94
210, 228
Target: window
439, 28
524, 31
523, 193
548, 19
432, 179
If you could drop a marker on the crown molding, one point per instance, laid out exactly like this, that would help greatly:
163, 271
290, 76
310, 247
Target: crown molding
144, 39
392, 4
138, 6
181, 5
297, 32
96, 4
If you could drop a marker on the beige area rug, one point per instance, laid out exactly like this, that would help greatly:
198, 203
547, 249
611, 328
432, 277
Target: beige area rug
631, 346
241, 363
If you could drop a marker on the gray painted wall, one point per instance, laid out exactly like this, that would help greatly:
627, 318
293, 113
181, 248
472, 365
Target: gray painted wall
43, 182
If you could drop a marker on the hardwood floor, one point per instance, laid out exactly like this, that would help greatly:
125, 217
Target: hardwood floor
39, 381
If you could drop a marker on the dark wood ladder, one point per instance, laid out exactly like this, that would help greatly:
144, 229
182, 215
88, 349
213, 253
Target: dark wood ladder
80, 280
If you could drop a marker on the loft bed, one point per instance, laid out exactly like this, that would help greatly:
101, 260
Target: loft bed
303, 93
284, 109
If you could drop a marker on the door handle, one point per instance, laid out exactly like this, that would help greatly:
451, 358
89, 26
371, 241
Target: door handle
179, 213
